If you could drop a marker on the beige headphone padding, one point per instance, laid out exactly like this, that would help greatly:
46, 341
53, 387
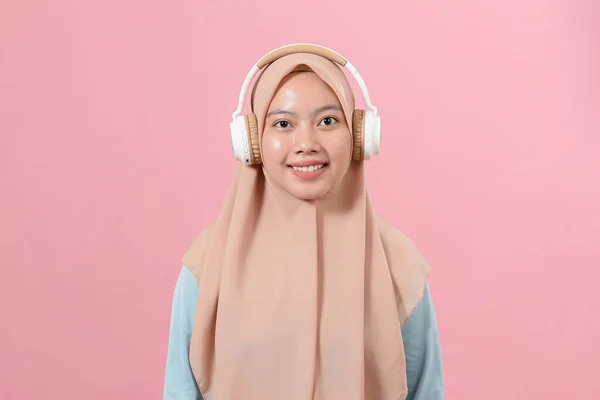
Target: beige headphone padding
301, 48
358, 134
252, 130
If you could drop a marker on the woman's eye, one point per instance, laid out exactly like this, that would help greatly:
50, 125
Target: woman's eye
282, 124
328, 121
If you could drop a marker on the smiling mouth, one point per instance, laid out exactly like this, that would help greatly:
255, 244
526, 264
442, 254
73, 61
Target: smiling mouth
309, 168
308, 172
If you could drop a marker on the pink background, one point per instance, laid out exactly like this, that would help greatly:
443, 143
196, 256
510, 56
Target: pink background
114, 152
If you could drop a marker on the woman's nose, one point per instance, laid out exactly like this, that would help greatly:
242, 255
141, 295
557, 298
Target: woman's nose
306, 140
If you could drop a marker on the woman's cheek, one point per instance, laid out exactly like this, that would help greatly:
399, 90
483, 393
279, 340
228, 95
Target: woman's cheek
276, 146
273, 150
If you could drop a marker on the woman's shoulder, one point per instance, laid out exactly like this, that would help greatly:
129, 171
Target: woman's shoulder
192, 259
392, 233
408, 268
399, 247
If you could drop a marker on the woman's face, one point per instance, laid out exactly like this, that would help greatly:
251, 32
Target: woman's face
306, 143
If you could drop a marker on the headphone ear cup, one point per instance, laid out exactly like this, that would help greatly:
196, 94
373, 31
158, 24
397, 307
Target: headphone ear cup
252, 130
371, 135
358, 135
244, 139
239, 139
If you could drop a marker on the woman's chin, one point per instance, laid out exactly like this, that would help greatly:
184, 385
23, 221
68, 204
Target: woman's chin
309, 192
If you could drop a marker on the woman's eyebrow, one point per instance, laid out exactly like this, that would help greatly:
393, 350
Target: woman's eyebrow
328, 107
281, 112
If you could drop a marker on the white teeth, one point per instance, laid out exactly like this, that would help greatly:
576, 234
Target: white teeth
310, 168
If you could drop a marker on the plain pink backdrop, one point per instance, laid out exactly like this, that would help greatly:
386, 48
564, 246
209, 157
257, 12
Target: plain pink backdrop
114, 152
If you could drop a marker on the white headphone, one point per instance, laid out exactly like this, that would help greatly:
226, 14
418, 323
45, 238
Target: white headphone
366, 123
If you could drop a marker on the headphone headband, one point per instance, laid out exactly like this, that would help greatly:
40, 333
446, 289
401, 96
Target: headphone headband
302, 48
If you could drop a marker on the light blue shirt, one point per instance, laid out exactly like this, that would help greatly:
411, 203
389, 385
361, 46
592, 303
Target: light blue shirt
420, 335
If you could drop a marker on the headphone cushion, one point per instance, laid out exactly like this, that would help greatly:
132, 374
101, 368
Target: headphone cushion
252, 130
358, 134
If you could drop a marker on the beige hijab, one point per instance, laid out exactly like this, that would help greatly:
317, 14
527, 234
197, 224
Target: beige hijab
301, 300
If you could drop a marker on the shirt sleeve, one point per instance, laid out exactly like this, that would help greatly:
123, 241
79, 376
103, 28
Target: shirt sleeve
179, 379
422, 350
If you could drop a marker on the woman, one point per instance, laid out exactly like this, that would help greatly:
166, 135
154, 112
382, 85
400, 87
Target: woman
297, 290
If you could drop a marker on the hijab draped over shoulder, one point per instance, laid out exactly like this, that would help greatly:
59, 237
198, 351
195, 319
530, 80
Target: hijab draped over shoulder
301, 300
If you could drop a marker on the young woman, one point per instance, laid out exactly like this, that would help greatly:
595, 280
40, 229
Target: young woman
297, 290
